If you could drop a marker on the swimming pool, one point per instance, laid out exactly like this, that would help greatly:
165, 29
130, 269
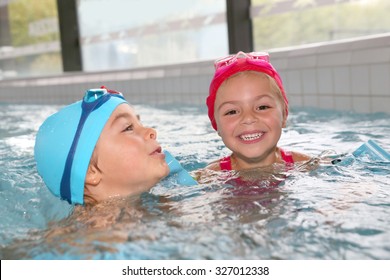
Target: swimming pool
332, 212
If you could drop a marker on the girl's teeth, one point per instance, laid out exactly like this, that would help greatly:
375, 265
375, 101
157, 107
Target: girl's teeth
249, 137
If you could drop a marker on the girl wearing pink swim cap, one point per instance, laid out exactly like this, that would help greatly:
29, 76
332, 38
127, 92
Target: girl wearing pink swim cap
248, 107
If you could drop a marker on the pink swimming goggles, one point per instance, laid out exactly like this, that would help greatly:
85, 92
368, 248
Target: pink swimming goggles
240, 62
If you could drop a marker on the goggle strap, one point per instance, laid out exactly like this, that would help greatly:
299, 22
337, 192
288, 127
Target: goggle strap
111, 90
226, 61
65, 180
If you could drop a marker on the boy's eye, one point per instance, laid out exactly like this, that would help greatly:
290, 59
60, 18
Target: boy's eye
129, 128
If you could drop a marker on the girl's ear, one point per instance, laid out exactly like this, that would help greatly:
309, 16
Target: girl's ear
93, 176
284, 123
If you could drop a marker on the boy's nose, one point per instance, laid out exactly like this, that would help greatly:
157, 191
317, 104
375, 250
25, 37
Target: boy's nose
151, 133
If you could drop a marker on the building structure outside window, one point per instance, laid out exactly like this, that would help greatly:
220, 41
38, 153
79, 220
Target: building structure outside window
29, 39
291, 23
121, 34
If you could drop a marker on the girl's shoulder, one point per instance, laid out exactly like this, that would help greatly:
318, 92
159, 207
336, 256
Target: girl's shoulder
203, 175
299, 157
215, 165
292, 156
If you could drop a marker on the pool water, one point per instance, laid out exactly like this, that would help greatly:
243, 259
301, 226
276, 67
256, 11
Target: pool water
331, 212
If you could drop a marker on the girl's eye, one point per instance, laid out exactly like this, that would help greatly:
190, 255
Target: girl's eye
263, 107
231, 112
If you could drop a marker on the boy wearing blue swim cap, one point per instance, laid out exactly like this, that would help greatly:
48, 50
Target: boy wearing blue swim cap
97, 148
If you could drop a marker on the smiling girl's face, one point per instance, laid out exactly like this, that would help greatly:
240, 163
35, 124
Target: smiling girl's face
249, 112
127, 159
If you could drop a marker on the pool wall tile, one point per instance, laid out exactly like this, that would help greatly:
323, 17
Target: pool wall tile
292, 82
342, 103
325, 81
326, 101
310, 86
310, 100
380, 79
341, 80
361, 104
360, 80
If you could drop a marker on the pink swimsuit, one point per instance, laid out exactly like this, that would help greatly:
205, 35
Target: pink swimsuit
246, 187
226, 164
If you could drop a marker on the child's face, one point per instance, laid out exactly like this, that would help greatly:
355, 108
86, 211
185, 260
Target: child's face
249, 117
129, 158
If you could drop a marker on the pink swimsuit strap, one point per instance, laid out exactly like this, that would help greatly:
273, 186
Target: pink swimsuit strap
225, 163
286, 156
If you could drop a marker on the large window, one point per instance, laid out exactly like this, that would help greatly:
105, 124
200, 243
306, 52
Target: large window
29, 39
286, 23
120, 34
123, 34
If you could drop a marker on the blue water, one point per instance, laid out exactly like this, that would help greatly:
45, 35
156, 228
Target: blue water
330, 212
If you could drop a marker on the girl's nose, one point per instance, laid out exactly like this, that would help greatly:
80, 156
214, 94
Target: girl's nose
248, 118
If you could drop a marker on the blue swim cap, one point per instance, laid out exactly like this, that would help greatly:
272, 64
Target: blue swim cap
66, 140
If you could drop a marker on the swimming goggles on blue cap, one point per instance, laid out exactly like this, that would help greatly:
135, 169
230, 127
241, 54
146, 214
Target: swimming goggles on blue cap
93, 100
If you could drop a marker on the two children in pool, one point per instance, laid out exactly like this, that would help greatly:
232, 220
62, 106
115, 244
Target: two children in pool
105, 151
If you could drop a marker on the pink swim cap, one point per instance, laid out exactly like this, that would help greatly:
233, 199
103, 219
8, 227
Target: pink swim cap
240, 62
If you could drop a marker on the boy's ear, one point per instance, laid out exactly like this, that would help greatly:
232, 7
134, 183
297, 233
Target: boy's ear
93, 176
